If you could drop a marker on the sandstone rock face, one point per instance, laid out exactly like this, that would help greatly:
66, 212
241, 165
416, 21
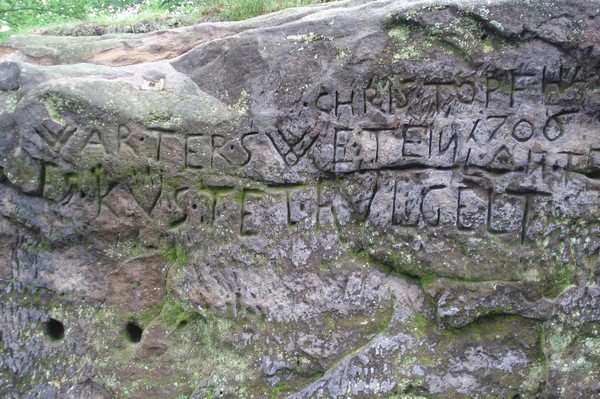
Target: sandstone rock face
365, 200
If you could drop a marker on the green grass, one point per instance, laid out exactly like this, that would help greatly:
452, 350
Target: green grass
236, 10
138, 16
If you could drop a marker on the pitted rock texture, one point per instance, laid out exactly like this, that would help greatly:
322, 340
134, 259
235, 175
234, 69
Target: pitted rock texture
356, 199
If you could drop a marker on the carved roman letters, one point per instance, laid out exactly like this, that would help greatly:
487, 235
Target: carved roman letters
393, 127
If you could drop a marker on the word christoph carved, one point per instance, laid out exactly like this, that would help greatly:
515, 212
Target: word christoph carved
502, 89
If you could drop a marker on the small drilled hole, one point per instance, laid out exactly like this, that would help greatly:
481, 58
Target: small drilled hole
133, 332
194, 206
54, 329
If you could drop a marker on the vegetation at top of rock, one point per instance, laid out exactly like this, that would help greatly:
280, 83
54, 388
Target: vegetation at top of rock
97, 17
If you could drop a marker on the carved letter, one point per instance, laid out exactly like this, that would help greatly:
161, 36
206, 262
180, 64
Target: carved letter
523, 130
244, 213
341, 137
554, 127
198, 152
347, 103
559, 80
424, 195
123, 142
514, 84
491, 85
417, 141
470, 212
465, 92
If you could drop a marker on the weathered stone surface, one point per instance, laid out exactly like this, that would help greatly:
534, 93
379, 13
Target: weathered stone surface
358, 199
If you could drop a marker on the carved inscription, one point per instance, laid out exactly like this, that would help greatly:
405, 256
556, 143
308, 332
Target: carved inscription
520, 112
292, 147
488, 171
54, 134
494, 142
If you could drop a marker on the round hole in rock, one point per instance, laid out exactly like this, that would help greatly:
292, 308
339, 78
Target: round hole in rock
54, 329
133, 332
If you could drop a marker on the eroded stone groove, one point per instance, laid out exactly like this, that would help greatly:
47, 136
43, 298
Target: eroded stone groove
348, 200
